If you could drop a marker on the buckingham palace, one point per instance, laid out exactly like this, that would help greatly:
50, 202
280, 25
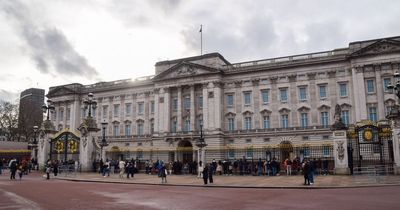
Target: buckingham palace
271, 108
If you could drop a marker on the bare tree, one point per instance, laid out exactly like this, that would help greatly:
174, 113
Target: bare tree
9, 121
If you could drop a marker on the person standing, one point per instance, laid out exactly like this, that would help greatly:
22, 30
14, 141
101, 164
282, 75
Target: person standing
200, 170
48, 171
306, 171
205, 174
55, 167
163, 173
121, 165
210, 173
20, 170
1, 166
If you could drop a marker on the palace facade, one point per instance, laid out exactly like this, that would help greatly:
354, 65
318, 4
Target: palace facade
271, 108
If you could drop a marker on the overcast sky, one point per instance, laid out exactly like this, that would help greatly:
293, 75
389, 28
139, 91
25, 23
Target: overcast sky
54, 42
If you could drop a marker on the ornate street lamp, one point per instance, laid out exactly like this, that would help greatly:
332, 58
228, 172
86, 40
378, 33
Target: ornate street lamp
48, 108
201, 144
90, 104
103, 142
395, 110
35, 143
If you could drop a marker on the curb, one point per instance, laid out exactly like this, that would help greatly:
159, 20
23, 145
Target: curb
225, 186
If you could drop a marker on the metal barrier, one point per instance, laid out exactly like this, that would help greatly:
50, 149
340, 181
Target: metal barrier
67, 170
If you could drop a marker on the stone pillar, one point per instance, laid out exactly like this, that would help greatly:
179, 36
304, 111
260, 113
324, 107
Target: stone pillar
87, 150
192, 109
156, 111
167, 110
179, 110
396, 149
217, 106
359, 94
205, 106
380, 93
340, 152
44, 149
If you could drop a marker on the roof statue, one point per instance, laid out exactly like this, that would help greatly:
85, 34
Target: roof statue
338, 125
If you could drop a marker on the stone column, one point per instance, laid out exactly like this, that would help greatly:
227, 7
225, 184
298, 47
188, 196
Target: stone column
274, 103
192, 109
396, 149
379, 93
205, 106
44, 149
312, 99
340, 152
217, 106
256, 101
359, 94
156, 111
167, 111
293, 101
179, 111
238, 103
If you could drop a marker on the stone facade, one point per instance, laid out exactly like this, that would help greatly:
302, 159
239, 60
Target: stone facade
243, 107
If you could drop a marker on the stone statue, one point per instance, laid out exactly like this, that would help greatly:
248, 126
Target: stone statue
338, 125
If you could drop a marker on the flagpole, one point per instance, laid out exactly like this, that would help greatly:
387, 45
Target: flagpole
201, 39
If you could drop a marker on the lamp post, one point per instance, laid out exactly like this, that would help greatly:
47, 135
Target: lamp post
394, 113
201, 144
90, 104
48, 108
103, 142
35, 143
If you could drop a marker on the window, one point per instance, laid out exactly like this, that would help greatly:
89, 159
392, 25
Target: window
325, 119
283, 94
370, 86
231, 153
265, 96
187, 103
266, 122
127, 129
105, 112
231, 124
152, 107
326, 150
285, 121
61, 117
186, 126
386, 83
345, 117
128, 109
247, 98
229, 100
140, 128
141, 108
343, 89
304, 120
322, 91
372, 114
83, 113
306, 152
175, 104
116, 130
174, 125
388, 108
139, 153
200, 102
68, 117
116, 110
247, 123
303, 93
152, 126
249, 152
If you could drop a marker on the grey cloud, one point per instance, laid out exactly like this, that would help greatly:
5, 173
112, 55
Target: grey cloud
49, 47
8, 96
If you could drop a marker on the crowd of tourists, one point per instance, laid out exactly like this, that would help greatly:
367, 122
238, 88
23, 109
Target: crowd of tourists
18, 167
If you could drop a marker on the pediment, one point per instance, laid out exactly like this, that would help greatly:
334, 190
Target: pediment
185, 69
60, 91
379, 47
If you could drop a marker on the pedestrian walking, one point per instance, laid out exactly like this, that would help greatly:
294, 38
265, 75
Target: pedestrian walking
13, 168
20, 171
205, 174
200, 170
1, 165
48, 171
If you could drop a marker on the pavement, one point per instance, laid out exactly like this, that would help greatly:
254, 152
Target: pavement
282, 181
